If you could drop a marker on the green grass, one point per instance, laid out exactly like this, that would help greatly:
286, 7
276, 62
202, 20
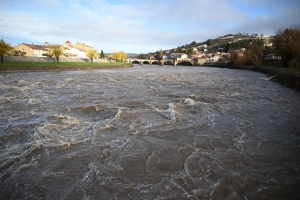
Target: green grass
60, 64
52, 66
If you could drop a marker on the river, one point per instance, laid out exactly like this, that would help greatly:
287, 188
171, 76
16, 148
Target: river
148, 132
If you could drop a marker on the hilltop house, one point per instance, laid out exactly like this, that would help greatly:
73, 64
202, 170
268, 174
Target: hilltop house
32, 50
199, 55
272, 57
177, 56
165, 57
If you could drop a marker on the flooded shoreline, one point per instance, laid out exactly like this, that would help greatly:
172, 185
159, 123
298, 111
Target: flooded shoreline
148, 132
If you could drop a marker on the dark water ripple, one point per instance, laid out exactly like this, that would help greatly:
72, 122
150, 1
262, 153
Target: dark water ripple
148, 132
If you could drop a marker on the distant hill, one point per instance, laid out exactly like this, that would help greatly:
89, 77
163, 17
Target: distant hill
132, 55
223, 41
129, 55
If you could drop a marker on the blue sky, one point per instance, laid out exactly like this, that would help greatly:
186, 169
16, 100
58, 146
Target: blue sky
136, 26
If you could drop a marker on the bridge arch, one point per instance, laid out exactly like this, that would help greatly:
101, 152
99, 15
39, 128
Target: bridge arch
135, 62
168, 62
140, 61
146, 62
183, 62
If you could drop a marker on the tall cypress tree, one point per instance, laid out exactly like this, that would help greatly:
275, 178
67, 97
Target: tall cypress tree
102, 54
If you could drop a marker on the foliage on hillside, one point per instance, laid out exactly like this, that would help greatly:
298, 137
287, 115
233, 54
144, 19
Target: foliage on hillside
287, 43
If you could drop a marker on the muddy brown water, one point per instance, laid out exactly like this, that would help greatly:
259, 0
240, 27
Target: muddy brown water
148, 132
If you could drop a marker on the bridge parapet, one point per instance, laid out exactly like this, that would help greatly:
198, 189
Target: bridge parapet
161, 62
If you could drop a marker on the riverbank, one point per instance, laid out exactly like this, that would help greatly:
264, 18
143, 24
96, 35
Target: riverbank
278, 74
62, 66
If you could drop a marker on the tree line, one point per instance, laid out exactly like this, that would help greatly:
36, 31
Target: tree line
286, 43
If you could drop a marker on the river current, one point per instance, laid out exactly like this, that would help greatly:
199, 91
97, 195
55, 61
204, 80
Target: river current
148, 132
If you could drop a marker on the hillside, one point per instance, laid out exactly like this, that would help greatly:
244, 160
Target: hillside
225, 42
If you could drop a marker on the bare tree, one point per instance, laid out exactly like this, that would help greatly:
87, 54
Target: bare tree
287, 43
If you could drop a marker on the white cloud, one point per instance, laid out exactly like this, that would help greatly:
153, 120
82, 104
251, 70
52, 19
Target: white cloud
141, 25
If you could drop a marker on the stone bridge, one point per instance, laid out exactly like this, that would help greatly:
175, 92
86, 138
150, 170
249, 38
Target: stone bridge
142, 61
162, 62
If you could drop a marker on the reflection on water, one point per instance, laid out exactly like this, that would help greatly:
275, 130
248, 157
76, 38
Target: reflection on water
149, 132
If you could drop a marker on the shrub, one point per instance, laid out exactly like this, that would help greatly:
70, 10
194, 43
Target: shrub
295, 71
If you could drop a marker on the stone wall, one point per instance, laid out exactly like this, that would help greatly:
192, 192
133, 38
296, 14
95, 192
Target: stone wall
48, 59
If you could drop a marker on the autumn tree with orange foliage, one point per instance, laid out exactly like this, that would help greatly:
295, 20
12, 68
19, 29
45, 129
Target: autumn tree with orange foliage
92, 53
254, 55
57, 51
4, 49
119, 56
237, 60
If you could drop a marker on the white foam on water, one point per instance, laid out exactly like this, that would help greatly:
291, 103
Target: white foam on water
189, 101
170, 113
92, 171
33, 163
61, 85
3, 99
68, 119
267, 79
49, 173
22, 82
186, 162
33, 101
54, 135
70, 79
119, 142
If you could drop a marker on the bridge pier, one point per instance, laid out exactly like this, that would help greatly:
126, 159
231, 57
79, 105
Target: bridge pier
175, 62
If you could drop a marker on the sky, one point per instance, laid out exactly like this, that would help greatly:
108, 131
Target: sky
140, 26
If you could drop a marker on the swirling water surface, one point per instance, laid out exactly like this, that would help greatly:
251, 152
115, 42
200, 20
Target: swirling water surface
148, 132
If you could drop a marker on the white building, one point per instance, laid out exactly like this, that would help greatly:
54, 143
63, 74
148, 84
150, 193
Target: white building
73, 52
177, 56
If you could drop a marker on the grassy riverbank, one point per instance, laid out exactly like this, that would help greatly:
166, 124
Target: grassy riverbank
52, 66
283, 76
